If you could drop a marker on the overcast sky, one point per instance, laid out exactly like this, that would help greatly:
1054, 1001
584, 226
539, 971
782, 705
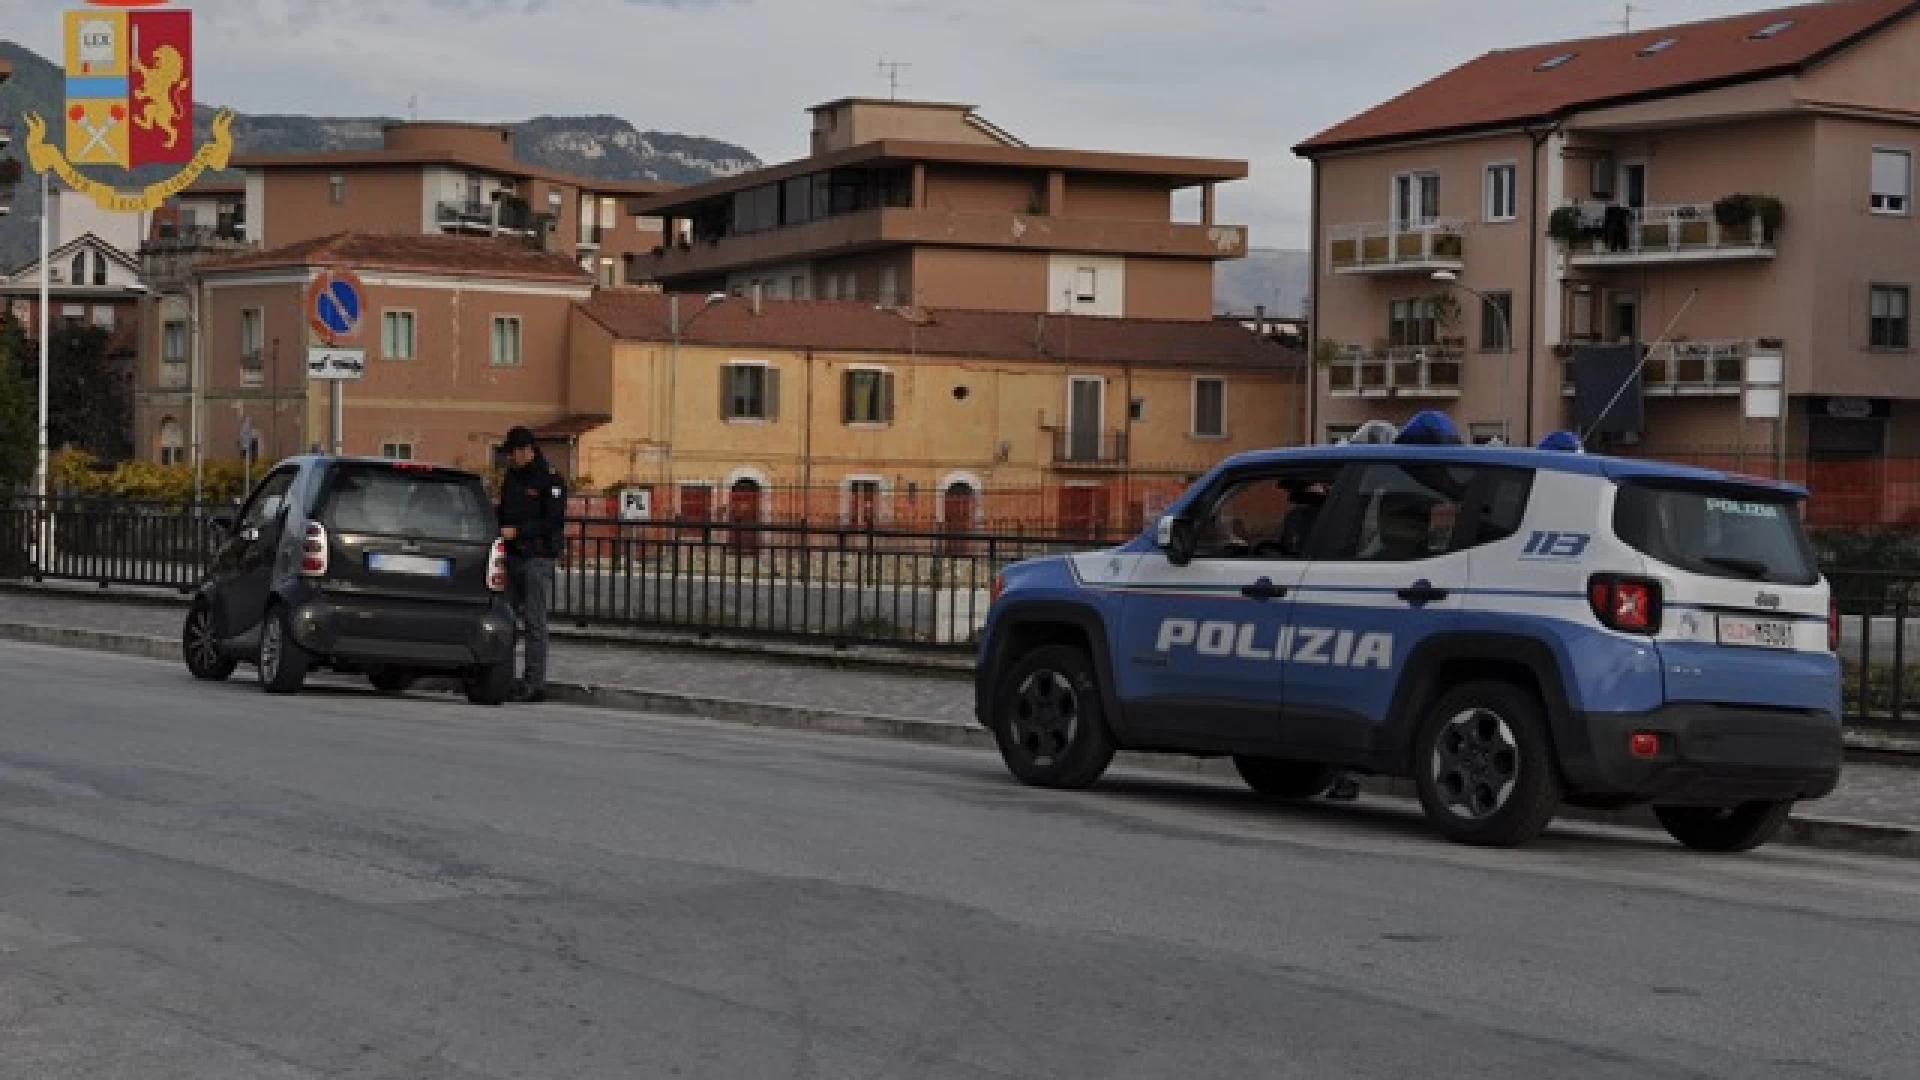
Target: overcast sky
1224, 78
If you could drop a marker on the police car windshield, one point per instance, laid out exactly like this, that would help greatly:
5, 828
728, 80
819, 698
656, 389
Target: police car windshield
1730, 532
385, 501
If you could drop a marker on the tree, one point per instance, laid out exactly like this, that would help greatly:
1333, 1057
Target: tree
90, 404
18, 415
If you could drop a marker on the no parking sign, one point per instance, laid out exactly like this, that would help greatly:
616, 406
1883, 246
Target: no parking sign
336, 306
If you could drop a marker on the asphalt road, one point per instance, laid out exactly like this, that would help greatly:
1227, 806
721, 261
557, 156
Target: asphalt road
203, 882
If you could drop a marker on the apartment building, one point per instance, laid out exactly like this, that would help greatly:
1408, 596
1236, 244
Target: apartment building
875, 414
928, 204
1733, 197
464, 336
90, 282
445, 179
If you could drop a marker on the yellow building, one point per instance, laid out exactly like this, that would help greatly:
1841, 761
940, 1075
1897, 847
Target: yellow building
833, 411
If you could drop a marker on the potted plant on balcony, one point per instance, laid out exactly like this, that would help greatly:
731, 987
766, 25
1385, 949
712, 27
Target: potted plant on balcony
1564, 224
1737, 213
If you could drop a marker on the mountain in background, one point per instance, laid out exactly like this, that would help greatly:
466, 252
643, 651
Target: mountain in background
595, 147
1275, 277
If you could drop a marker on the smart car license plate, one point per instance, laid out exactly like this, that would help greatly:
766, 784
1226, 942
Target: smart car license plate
382, 562
1756, 633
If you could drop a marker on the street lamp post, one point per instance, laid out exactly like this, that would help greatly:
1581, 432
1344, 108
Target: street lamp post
1452, 280
676, 327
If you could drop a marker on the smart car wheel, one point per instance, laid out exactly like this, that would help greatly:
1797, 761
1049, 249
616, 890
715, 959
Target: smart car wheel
1049, 721
491, 685
200, 645
1725, 829
1484, 768
283, 663
1286, 781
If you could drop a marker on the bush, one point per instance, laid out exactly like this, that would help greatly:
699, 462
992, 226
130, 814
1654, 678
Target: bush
1564, 224
75, 472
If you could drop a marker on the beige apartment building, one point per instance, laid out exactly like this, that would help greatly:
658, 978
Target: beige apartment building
1736, 196
928, 204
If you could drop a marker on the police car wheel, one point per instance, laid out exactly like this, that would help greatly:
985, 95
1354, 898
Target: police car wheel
1724, 829
1287, 781
1484, 768
1049, 723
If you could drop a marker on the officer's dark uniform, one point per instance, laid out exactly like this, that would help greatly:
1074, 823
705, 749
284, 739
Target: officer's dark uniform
533, 502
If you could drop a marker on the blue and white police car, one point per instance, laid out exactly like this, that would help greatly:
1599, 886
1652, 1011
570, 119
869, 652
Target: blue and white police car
1513, 629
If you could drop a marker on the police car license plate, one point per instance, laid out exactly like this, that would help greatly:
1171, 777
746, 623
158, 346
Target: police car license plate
385, 563
1756, 633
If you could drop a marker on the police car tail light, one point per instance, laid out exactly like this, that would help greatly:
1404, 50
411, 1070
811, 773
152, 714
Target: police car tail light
497, 567
1629, 605
999, 586
313, 551
1833, 626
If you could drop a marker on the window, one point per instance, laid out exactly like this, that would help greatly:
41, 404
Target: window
831, 284
1410, 512
99, 269
610, 272
863, 502
1411, 322
79, 269
1267, 516
263, 510
396, 335
173, 353
1483, 434
800, 287
337, 190
1658, 47
1086, 285
1770, 30
506, 341
849, 286
384, 501
398, 451
172, 443
1416, 198
868, 397
1717, 531
1496, 322
1554, 61
103, 316
889, 287
252, 340
749, 392
1137, 409
1892, 181
1209, 409
1502, 198
1338, 434
609, 215
1887, 325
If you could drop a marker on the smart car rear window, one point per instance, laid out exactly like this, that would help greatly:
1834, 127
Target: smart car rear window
1747, 534
383, 501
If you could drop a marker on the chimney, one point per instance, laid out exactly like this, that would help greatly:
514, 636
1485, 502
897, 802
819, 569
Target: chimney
759, 294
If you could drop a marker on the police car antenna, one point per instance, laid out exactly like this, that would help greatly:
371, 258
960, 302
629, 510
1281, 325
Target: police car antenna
1637, 369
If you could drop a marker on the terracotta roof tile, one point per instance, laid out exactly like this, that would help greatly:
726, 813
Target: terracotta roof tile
853, 326
1506, 89
458, 256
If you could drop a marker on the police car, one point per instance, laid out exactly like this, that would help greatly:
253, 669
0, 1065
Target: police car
1513, 629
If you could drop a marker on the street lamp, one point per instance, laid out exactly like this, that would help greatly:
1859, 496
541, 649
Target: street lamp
1452, 280
675, 326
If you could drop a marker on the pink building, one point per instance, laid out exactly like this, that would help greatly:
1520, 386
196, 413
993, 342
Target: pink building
1735, 196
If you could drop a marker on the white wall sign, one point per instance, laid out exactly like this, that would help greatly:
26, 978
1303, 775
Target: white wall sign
636, 504
336, 365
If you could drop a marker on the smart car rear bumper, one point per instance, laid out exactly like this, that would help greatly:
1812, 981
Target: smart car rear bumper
364, 632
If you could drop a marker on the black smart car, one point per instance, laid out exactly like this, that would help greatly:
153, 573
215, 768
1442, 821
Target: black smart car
389, 569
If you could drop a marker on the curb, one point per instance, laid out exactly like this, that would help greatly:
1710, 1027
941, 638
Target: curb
1832, 834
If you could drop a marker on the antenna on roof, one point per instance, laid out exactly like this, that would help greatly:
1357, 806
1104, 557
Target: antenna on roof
413, 108
1625, 22
890, 70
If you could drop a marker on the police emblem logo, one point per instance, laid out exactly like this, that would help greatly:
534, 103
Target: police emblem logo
129, 83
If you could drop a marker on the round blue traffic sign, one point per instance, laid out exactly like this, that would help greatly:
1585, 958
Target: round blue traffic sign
335, 306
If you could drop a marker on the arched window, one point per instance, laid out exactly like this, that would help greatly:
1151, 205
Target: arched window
172, 443
79, 276
99, 269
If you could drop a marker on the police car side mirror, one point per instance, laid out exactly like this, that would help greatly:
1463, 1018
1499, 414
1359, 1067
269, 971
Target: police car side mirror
1175, 536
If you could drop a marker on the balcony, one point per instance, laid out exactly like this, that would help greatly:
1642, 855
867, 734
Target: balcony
1089, 449
1398, 247
168, 259
1407, 372
477, 218
1687, 233
1696, 368
901, 226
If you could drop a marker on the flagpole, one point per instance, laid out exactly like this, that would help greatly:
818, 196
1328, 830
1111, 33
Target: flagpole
40, 479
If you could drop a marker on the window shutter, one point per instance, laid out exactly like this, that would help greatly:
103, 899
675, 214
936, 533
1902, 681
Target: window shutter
726, 391
773, 394
886, 397
847, 379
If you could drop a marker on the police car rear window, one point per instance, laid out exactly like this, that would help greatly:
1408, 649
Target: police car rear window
1724, 532
381, 501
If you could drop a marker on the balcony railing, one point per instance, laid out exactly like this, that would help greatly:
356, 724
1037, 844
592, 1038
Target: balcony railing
1398, 247
173, 375
1091, 449
1403, 372
1694, 368
1613, 235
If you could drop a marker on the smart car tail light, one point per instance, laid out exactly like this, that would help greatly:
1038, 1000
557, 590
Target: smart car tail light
497, 567
313, 551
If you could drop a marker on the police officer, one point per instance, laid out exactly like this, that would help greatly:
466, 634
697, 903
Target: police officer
533, 515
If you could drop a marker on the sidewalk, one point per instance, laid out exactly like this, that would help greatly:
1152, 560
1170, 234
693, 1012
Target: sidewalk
909, 700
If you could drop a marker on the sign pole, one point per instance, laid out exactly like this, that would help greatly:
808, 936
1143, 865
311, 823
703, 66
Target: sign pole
339, 413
